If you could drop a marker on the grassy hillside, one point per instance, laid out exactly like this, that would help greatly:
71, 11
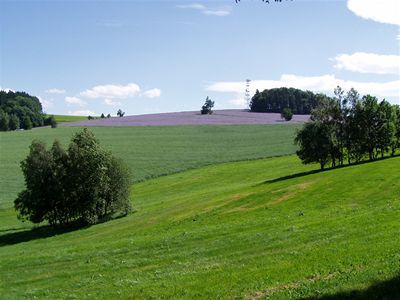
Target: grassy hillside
64, 118
246, 230
153, 151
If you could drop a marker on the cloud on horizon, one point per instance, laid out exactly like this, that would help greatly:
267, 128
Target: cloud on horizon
55, 91
75, 101
153, 93
112, 91
221, 11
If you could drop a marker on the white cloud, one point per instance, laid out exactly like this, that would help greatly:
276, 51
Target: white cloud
153, 93
324, 84
383, 11
111, 102
46, 104
82, 113
55, 91
218, 12
111, 91
368, 63
75, 101
192, 6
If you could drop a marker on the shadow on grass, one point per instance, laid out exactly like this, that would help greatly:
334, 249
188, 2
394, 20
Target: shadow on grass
301, 174
34, 234
385, 290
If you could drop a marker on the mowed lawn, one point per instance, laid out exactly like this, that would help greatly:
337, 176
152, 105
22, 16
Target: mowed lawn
246, 230
152, 151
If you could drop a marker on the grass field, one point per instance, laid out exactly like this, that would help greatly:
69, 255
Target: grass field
64, 119
153, 151
246, 230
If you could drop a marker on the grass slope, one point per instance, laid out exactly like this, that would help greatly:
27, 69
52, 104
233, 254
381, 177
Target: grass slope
152, 151
64, 118
237, 230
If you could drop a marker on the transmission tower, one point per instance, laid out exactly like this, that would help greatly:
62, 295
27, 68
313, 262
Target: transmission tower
247, 93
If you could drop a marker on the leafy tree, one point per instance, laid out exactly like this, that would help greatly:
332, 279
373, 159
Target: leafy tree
286, 114
50, 121
90, 118
14, 122
120, 113
108, 116
102, 116
27, 123
84, 183
4, 121
206, 109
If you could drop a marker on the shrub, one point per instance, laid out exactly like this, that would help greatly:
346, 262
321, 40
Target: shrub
84, 183
287, 114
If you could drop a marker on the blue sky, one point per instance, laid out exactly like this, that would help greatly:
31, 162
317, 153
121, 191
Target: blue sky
93, 57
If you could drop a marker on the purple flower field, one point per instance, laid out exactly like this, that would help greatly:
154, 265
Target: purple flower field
219, 117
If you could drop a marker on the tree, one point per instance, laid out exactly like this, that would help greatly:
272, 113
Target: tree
4, 121
51, 121
14, 122
27, 123
207, 107
286, 114
102, 116
120, 113
85, 183
108, 116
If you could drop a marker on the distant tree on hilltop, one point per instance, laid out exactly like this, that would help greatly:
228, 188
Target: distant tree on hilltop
206, 109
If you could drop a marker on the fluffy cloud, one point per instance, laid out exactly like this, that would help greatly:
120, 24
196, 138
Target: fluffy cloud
368, 63
218, 12
383, 11
153, 93
111, 91
46, 104
82, 113
324, 84
74, 101
55, 91
111, 102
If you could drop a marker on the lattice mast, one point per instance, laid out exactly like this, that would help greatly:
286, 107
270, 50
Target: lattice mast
247, 95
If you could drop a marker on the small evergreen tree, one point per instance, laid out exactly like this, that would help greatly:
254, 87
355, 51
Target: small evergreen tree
206, 109
102, 116
120, 113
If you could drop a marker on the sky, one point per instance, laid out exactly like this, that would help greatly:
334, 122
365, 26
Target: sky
92, 57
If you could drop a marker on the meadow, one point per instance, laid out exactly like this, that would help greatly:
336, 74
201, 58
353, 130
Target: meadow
152, 151
261, 229
66, 118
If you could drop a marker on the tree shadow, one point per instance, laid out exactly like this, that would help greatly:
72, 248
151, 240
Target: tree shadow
301, 174
388, 290
35, 233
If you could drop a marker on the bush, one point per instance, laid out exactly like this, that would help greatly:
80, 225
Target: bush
287, 114
85, 183
50, 121
206, 109
120, 113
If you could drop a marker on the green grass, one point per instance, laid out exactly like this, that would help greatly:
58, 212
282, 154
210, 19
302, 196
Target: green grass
63, 119
152, 151
252, 229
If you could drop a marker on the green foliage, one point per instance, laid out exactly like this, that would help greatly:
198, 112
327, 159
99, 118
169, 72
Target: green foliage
102, 116
275, 100
50, 121
62, 118
349, 127
84, 183
206, 109
14, 122
108, 116
4, 121
120, 113
287, 114
240, 230
26, 108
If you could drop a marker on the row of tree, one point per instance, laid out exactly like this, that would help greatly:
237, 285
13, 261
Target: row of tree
275, 100
349, 129
81, 184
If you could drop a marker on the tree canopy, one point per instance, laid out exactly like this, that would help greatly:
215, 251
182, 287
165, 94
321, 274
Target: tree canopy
84, 183
349, 127
206, 109
275, 100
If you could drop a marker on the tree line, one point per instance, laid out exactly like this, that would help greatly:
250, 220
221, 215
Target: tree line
19, 110
275, 100
349, 128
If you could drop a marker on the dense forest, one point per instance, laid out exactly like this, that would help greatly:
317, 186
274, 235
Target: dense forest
19, 110
275, 100
349, 128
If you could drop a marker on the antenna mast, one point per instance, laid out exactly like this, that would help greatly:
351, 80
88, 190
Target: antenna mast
247, 93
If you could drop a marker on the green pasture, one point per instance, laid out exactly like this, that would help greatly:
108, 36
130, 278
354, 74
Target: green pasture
260, 229
152, 151
65, 118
